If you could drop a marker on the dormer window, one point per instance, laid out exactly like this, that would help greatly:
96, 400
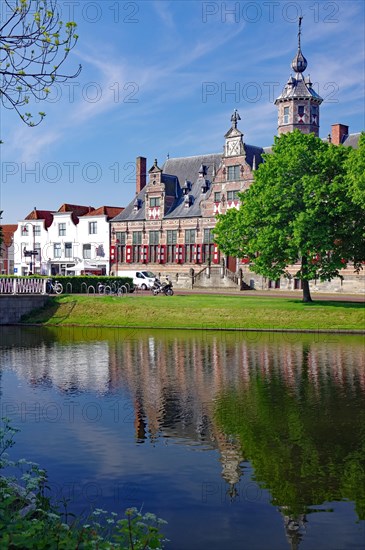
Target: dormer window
186, 187
204, 186
202, 170
188, 200
137, 205
154, 201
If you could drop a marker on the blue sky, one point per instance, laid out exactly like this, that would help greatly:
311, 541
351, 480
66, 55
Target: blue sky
158, 79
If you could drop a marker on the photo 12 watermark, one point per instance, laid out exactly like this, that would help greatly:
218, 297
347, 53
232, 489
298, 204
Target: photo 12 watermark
271, 12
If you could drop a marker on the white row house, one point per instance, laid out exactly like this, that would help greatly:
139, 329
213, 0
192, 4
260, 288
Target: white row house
73, 240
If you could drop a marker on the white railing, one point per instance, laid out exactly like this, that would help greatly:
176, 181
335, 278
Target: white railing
22, 286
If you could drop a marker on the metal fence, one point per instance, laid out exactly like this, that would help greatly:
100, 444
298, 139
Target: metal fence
22, 286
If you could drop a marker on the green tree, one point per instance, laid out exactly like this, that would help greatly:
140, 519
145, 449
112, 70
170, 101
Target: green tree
355, 166
299, 208
34, 43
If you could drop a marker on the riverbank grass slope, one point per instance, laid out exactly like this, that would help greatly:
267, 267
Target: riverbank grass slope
200, 312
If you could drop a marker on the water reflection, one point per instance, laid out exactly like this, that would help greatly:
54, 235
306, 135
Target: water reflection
290, 407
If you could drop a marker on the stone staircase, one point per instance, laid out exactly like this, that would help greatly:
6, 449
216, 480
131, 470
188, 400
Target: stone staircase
218, 277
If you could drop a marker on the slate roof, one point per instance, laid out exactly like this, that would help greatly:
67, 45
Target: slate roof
188, 167
352, 140
297, 88
175, 172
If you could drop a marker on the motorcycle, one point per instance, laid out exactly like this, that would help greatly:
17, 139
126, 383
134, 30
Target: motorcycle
162, 288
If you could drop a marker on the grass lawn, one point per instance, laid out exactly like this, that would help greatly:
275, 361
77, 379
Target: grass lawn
200, 311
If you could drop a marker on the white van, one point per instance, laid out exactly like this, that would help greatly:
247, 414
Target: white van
141, 279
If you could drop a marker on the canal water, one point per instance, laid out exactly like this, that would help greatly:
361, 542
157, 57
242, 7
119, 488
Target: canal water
240, 441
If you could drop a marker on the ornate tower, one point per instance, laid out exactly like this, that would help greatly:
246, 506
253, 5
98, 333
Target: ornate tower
298, 104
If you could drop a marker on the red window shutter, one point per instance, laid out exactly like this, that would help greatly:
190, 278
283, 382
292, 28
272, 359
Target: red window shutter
128, 254
177, 253
162, 254
216, 255
245, 260
112, 253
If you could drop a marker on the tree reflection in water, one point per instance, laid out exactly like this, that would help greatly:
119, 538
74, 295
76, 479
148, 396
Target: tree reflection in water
304, 438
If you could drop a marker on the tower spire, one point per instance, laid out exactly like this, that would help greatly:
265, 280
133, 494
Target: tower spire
298, 104
299, 30
299, 63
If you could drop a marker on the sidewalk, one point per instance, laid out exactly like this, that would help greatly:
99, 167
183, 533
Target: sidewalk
296, 294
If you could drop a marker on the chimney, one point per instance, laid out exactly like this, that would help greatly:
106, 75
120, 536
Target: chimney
141, 173
339, 131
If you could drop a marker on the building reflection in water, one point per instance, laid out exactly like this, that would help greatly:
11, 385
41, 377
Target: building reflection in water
174, 381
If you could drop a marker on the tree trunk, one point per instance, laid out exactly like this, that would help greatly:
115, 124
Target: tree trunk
306, 292
305, 283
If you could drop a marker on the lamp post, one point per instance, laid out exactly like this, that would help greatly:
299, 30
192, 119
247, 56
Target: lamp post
30, 253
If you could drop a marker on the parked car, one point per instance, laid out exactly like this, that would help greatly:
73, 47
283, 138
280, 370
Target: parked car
141, 279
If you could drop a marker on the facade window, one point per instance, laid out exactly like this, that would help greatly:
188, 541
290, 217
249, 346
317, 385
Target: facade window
154, 201
171, 242
137, 237
314, 114
233, 173
68, 250
24, 230
189, 245
93, 228
57, 250
86, 251
137, 241
189, 236
274, 283
232, 195
217, 196
208, 236
120, 253
301, 110
171, 236
154, 237
37, 230
37, 248
120, 237
286, 115
61, 229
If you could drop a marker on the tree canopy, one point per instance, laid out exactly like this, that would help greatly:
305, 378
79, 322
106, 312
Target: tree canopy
300, 208
355, 166
34, 43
